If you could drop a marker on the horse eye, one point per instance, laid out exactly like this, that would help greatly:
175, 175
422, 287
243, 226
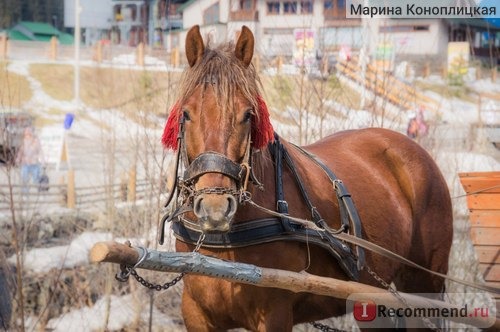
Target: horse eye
248, 115
185, 114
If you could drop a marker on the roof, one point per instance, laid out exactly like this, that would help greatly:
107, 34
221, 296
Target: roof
40, 28
66, 38
473, 22
17, 35
38, 31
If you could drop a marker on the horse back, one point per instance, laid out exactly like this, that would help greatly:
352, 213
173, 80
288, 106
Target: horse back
399, 191
372, 156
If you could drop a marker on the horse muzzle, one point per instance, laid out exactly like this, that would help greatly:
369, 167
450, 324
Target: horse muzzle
215, 212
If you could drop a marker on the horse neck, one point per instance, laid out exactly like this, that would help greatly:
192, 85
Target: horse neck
264, 170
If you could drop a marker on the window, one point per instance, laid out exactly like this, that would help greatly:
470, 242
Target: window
162, 8
306, 7
211, 14
290, 7
328, 4
341, 3
273, 7
246, 4
487, 38
130, 12
404, 28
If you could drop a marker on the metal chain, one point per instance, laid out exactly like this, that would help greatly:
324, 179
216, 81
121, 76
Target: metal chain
127, 270
396, 294
217, 191
156, 287
325, 328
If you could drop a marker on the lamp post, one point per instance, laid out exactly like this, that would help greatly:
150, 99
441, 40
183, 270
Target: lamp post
77, 55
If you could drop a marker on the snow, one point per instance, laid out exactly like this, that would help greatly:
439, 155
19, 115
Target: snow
42, 260
123, 312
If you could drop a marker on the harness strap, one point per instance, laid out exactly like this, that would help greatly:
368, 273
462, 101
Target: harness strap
173, 191
303, 191
281, 203
212, 162
348, 213
267, 230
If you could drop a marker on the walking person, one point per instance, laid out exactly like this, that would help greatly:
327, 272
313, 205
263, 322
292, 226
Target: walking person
30, 158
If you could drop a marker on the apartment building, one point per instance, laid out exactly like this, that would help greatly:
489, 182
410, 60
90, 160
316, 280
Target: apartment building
281, 27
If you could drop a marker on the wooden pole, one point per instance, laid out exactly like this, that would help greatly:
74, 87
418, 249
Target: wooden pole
279, 64
71, 199
196, 263
256, 62
53, 48
140, 55
174, 58
123, 186
131, 187
3, 46
427, 69
98, 50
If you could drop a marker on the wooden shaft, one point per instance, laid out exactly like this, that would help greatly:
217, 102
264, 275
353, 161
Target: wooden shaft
113, 252
195, 263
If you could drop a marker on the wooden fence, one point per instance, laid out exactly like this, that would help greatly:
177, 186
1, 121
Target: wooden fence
483, 201
67, 194
386, 85
99, 53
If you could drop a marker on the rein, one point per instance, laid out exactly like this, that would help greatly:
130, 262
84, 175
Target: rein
375, 248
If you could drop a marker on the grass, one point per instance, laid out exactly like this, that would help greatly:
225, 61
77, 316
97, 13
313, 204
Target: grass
283, 90
460, 92
56, 80
15, 89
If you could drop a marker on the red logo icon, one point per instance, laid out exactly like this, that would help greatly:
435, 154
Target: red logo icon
365, 310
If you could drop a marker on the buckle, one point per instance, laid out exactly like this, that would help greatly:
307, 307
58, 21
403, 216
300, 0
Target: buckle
282, 206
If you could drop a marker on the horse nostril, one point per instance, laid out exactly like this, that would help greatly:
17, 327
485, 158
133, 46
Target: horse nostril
197, 207
231, 206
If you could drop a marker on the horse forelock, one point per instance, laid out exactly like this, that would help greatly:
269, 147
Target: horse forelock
228, 76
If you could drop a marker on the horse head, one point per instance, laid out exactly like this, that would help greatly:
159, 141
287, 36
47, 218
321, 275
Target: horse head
222, 118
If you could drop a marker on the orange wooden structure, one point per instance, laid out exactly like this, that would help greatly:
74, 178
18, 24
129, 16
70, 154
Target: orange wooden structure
483, 201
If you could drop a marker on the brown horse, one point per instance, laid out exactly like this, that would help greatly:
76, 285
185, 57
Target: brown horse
220, 126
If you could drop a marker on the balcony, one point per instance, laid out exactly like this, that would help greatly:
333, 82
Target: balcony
337, 17
335, 13
244, 15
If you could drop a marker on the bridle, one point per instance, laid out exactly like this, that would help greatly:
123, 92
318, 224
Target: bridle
206, 162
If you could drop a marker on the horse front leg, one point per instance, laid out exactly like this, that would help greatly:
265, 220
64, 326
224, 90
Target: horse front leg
276, 319
194, 318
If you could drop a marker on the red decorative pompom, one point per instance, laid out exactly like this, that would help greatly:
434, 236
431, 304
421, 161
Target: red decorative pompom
169, 137
262, 129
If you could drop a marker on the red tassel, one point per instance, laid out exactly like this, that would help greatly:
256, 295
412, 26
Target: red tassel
262, 129
169, 137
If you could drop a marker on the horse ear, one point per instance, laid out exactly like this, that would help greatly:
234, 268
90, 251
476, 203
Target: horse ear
244, 46
194, 45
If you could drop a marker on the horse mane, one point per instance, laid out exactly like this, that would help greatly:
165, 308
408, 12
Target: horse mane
228, 75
